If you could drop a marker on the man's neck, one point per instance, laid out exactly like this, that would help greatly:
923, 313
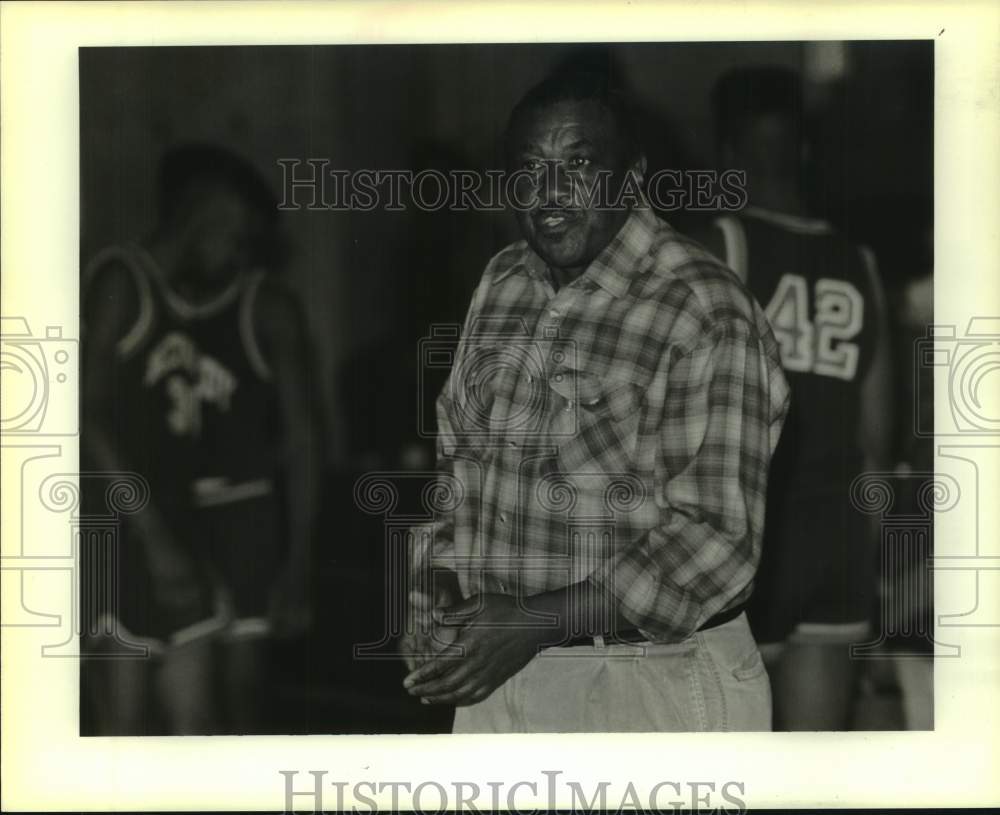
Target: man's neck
169, 259
777, 195
563, 277
163, 252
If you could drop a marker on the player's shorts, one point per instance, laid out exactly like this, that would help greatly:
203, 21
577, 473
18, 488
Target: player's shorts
120, 610
235, 548
241, 539
817, 581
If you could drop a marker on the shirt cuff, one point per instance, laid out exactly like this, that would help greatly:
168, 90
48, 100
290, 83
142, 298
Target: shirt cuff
644, 602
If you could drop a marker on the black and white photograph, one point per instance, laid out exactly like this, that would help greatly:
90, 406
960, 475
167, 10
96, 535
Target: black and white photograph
499, 407
506, 388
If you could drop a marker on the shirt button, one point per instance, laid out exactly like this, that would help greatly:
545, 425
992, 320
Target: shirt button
569, 405
503, 518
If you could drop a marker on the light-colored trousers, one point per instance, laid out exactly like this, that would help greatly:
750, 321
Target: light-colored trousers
714, 680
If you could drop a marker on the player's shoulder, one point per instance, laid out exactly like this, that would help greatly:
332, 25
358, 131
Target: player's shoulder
275, 307
791, 223
820, 248
269, 291
115, 283
114, 268
117, 299
815, 233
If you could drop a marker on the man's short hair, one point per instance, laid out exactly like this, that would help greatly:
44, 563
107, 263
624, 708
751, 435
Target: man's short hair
744, 94
186, 170
579, 86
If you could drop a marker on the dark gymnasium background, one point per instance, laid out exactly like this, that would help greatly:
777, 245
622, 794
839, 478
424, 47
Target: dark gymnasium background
374, 283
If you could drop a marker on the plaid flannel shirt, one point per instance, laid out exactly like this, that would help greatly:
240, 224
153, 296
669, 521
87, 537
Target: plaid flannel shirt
616, 432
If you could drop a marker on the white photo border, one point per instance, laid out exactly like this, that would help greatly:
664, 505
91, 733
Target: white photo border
47, 766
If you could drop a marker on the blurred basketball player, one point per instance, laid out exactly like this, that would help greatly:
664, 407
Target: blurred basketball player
822, 295
195, 376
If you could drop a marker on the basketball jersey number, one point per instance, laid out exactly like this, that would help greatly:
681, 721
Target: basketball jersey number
822, 346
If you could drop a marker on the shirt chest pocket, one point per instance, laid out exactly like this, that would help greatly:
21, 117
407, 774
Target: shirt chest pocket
596, 430
500, 397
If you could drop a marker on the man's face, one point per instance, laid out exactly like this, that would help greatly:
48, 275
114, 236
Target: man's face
563, 228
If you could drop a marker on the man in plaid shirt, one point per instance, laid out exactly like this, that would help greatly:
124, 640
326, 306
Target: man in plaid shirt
604, 441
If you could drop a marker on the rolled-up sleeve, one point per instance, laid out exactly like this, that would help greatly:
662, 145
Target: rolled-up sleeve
723, 407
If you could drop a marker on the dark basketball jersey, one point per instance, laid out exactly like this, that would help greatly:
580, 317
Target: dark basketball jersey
195, 409
821, 296
195, 412
818, 291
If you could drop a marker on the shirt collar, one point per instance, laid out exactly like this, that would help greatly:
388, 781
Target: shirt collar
617, 264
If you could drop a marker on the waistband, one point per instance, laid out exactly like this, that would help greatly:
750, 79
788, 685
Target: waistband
631, 636
216, 491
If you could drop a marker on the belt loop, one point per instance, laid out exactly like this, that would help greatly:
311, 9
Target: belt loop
599, 641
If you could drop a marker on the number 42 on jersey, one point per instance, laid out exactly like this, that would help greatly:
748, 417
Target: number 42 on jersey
822, 345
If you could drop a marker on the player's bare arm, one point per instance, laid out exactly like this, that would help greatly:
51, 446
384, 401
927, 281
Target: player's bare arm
877, 410
280, 327
875, 421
